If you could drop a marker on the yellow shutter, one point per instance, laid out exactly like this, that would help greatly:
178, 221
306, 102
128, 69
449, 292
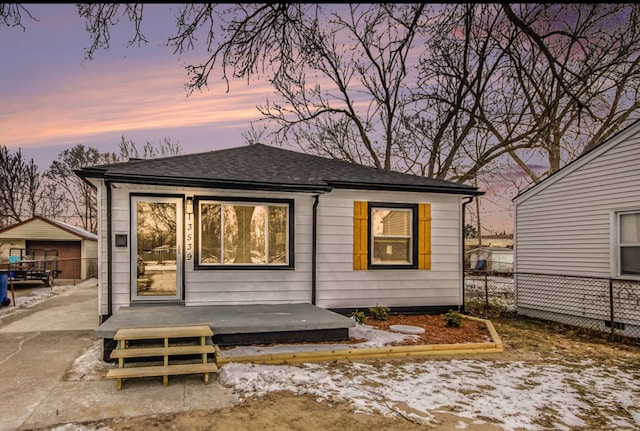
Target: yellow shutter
424, 236
360, 218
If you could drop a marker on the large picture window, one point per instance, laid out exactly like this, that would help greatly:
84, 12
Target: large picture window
393, 236
629, 243
244, 233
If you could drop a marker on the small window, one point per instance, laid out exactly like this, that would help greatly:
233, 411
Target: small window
629, 243
393, 236
244, 234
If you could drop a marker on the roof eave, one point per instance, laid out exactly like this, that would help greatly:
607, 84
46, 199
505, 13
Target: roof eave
267, 186
217, 184
466, 191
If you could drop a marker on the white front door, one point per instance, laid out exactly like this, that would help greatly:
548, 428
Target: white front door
156, 255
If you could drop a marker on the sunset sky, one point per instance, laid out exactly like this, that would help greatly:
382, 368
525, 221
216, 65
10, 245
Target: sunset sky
53, 99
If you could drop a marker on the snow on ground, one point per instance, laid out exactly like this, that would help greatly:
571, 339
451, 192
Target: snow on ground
513, 395
39, 294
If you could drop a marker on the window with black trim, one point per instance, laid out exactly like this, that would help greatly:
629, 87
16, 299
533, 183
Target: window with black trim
393, 235
245, 233
629, 243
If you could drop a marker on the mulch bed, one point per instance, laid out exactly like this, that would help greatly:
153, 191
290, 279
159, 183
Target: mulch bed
436, 332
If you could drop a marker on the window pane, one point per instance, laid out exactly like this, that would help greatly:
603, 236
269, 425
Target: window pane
210, 228
239, 233
391, 231
630, 228
156, 238
630, 260
391, 222
244, 237
278, 235
392, 250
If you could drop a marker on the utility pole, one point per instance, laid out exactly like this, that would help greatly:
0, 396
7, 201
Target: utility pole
479, 229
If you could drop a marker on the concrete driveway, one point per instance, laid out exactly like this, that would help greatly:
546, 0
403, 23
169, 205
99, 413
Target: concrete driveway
51, 374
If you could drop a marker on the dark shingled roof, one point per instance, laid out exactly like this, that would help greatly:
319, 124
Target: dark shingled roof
263, 167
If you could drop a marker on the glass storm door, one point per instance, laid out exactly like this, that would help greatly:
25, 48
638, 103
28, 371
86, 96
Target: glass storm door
156, 255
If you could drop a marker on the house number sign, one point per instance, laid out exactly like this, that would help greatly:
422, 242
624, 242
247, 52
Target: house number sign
189, 238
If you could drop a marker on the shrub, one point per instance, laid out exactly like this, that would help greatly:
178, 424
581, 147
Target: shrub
379, 313
453, 319
359, 317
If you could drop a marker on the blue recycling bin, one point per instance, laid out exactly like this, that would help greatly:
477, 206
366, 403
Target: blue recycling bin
4, 282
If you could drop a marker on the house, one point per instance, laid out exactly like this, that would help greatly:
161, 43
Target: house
500, 240
257, 225
43, 239
577, 239
493, 260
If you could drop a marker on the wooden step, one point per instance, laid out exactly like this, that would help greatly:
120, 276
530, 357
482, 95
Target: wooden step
147, 352
173, 347
160, 370
166, 332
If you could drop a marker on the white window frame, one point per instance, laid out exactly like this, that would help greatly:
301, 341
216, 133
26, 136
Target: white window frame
619, 244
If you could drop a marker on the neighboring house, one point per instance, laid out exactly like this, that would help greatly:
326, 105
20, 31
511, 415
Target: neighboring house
579, 230
76, 250
492, 260
263, 225
505, 240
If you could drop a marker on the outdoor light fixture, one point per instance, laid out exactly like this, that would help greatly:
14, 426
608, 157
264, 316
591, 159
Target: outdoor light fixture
189, 204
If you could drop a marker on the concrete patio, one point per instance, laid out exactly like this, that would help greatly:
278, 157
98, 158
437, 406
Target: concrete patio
238, 324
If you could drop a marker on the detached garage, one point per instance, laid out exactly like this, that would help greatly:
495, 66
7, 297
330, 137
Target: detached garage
75, 248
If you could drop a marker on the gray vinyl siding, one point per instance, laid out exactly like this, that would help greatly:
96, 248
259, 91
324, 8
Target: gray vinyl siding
103, 252
221, 286
566, 237
566, 227
338, 285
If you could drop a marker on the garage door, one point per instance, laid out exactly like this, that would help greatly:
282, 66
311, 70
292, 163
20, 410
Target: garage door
69, 261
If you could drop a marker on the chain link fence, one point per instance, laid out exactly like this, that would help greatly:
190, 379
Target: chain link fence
602, 304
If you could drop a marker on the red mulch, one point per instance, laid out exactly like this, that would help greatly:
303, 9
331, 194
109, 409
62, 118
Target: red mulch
436, 332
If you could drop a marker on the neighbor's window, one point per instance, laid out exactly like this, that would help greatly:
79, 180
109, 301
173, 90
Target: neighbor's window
239, 233
629, 244
393, 236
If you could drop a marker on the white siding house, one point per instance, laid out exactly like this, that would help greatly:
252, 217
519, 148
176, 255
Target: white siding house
74, 248
578, 231
263, 225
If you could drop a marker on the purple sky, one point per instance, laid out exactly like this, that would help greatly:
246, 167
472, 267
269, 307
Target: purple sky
52, 99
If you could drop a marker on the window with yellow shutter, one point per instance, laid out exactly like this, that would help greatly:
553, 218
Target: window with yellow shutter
392, 236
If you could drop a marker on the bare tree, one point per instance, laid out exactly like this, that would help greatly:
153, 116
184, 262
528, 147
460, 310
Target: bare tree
129, 150
450, 91
24, 191
551, 78
80, 197
576, 68
11, 14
